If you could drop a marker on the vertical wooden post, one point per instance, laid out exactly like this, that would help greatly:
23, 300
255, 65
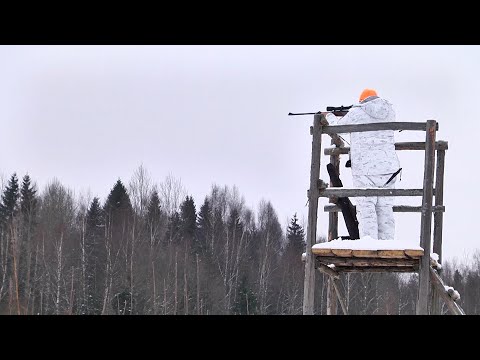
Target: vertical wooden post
333, 216
332, 235
438, 224
331, 297
426, 220
309, 282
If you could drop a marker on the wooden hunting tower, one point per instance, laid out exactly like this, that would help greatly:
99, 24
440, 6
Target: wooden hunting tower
431, 287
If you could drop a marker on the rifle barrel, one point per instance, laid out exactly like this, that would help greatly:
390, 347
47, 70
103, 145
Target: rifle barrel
293, 114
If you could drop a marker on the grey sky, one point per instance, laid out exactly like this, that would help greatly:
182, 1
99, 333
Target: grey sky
218, 114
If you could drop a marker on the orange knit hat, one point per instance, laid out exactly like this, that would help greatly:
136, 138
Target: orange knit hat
366, 93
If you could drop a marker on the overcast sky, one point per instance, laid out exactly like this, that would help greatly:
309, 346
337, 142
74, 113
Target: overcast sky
218, 114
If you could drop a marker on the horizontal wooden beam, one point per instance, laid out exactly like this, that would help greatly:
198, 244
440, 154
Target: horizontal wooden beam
345, 192
366, 262
340, 129
396, 208
377, 269
439, 145
371, 254
327, 270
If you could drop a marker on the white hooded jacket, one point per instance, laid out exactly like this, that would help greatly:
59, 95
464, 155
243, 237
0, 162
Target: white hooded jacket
372, 152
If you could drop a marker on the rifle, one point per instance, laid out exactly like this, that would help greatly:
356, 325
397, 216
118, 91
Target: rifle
335, 110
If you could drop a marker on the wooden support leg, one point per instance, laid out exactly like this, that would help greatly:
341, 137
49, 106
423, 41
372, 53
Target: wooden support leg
331, 298
313, 193
440, 287
426, 220
334, 289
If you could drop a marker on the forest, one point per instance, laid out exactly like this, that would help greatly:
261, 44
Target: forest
149, 248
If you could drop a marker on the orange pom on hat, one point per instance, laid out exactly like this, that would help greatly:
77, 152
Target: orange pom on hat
367, 93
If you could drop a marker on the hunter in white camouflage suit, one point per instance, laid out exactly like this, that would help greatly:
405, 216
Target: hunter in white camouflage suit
373, 162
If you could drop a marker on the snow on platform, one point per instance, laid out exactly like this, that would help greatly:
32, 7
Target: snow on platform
369, 248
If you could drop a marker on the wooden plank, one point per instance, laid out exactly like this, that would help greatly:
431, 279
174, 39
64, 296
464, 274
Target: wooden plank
396, 208
392, 254
412, 253
372, 254
322, 252
369, 262
379, 254
342, 252
438, 223
365, 253
377, 269
426, 220
439, 145
348, 192
406, 208
309, 281
438, 217
340, 129
437, 282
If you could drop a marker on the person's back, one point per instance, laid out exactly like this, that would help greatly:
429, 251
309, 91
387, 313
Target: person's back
372, 152
374, 163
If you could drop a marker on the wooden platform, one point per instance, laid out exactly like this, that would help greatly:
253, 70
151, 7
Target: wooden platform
358, 260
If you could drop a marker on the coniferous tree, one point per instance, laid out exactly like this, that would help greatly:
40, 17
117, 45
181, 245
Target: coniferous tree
293, 270
155, 219
174, 227
296, 236
118, 200
246, 303
153, 208
9, 203
204, 225
28, 199
8, 238
188, 217
28, 209
118, 222
94, 259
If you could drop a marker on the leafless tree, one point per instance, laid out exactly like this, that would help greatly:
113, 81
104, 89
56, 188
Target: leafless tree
171, 193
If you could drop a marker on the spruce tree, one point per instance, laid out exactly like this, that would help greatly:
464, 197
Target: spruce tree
28, 209
296, 236
8, 210
118, 200
94, 259
153, 208
118, 221
28, 199
188, 217
246, 303
174, 227
118, 213
9, 203
204, 224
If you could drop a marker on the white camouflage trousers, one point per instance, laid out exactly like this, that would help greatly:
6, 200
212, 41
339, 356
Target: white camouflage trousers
375, 213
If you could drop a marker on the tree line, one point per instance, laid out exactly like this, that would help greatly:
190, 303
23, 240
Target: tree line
149, 248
